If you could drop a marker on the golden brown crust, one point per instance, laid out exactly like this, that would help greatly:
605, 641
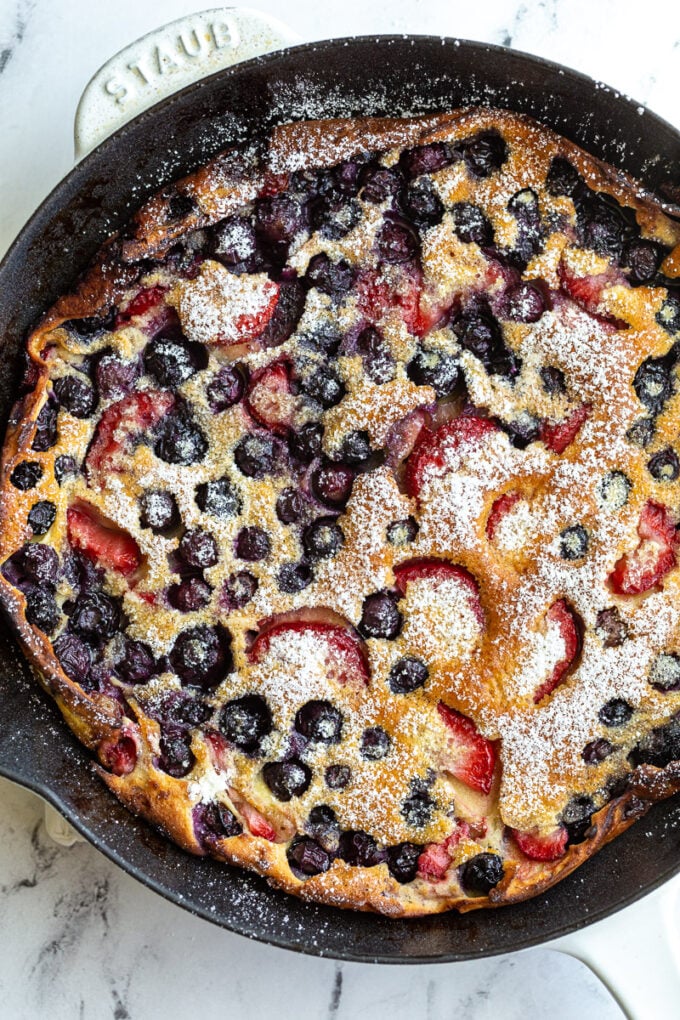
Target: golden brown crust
215, 191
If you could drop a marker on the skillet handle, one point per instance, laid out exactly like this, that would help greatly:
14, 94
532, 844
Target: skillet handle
168, 59
635, 952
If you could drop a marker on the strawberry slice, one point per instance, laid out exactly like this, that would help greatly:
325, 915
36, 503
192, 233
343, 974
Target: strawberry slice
645, 567
377, 294
502, 506
270, 399
586, 292
257, 823
342, 652
273, 183
542, 848
471, 757
429, 454
562, 617
118, 755
120, 424
141, 303
106, 545
435, 859
435, 571
558, 435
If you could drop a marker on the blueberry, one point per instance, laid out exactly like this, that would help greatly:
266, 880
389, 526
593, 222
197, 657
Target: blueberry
337, 776
324, 827
664, 466
481, 873
576, 818
573, 542
422, 205
287, 779
74, 657
64, 465
336, 220
524, 303
180, 206
325, 338
190, 595
278, 218
553, 380
642, 259
407, 675
596, 751
610, 628
169, 362
324, 385
45, 428
289, 506
92, 325
665, 672
436, 369
417, 808
402, 861
182, 710
378, 362
76, 394
41, 516
198, 549
523, 429
319, 721
26, 475
180, 440
375, 743
95, 616
659, 747
641, 432
137, 664
360, 850
480, 333
239, 589
40, 564
246, 721
613, 490
233, 242
380, 617
563, 178
226, 389
380, 183
287, 312
116, 378
471, 225
653, 382
602, 224
252, 544
176, 757
402, 533
323, 538
305, 445
529, 239
255, 455
158, 511
41, 609
294, 577
201, 656
332, 483
215, 821
484, 153
219, 498
397, 240
333, 278
668, 316
427, 159
306, 857
615, 712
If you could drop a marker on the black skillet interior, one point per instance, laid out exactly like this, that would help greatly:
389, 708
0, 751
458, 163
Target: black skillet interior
337, 78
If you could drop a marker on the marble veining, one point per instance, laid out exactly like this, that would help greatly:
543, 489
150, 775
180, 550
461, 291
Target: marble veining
80, 938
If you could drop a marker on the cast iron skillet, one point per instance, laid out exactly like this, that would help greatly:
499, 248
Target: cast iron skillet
382, 75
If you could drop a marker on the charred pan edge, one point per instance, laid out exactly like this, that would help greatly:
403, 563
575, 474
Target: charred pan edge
215, 190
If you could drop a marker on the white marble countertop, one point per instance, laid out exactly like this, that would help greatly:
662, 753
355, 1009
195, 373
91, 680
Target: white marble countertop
78, 938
